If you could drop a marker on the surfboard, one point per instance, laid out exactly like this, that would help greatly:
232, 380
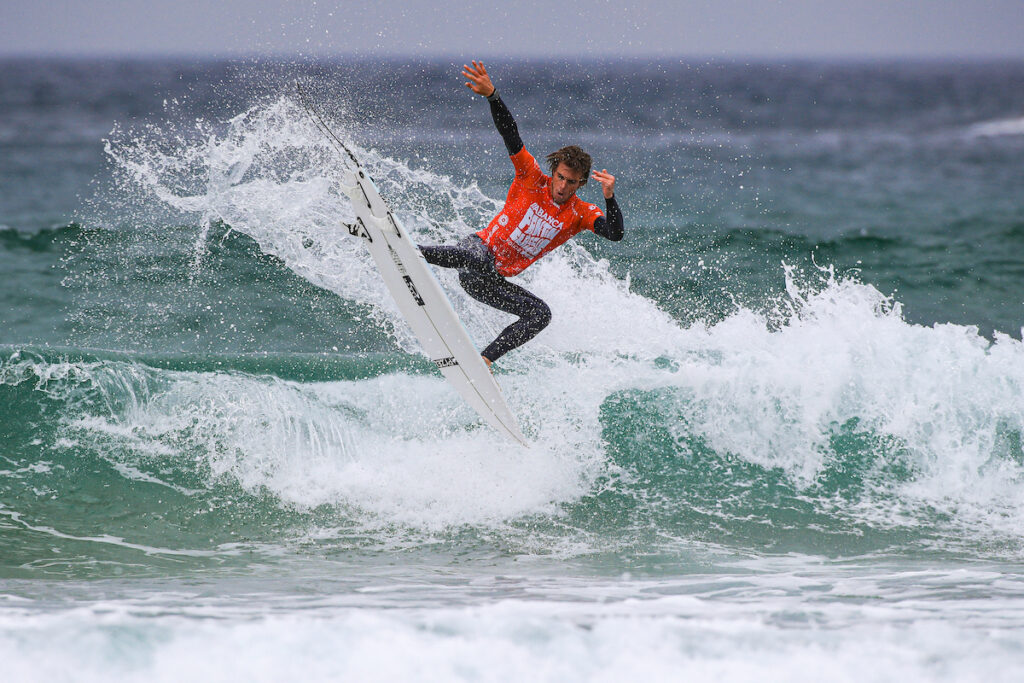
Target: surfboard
424, 305
420, 298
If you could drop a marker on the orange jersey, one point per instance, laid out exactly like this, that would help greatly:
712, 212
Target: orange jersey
531, 224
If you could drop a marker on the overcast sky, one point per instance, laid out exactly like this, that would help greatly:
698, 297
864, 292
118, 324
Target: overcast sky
515, 28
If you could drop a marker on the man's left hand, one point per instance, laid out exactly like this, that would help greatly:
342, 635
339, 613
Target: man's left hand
607, 181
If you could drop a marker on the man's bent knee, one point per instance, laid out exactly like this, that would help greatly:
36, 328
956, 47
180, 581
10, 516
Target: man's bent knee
541, 316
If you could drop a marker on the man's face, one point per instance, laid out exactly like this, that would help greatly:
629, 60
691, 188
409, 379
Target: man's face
564, 183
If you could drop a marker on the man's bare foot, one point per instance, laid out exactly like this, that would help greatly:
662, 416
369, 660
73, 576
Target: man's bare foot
488, 361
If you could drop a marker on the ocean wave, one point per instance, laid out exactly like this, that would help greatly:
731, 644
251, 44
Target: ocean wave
43, 240
717, 627
997, 128
827, 425
821, 420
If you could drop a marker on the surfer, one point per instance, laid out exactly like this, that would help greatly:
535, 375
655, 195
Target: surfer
541, 213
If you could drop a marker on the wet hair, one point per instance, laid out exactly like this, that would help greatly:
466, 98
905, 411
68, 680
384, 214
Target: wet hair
573, 157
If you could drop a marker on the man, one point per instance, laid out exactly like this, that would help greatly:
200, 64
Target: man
541, 213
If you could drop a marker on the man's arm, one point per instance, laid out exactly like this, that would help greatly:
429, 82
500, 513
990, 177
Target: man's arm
610, 225
505, 124
480, 83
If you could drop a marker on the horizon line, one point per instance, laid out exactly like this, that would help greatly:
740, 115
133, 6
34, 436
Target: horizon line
520, 57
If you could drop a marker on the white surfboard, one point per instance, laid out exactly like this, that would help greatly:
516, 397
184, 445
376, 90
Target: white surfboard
425, 306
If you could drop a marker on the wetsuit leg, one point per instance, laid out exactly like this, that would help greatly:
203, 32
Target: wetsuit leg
494, 290
481, 281
469, 254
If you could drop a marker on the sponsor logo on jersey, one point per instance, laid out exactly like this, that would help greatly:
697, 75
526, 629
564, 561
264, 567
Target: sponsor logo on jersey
535, 231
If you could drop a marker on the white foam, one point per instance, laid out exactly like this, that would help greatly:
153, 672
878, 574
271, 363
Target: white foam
592, 639
997, 128
403, 448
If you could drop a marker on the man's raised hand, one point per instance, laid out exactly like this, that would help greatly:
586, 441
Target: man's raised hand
479, 82
607, 181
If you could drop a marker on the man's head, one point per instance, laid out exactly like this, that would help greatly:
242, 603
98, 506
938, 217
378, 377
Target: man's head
570, 167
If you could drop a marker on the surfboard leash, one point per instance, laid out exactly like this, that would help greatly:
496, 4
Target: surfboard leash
319, 122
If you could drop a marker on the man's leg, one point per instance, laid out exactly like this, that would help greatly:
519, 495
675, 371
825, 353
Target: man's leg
469, 254
494, 290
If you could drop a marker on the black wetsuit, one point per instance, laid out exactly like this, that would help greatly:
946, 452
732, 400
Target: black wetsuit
475, 262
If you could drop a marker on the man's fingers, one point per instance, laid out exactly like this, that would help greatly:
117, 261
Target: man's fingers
478, 80
476, 73
606, 179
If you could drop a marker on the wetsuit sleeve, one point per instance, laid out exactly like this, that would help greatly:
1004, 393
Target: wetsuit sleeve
610, 225
505, 124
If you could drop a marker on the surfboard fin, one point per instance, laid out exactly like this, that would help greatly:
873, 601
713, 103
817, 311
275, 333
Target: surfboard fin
358, 229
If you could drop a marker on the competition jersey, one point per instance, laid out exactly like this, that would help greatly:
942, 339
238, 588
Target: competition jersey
531, 224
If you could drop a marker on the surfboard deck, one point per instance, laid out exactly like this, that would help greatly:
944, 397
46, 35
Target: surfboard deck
425, 306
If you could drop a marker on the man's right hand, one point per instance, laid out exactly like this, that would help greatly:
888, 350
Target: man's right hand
479, 82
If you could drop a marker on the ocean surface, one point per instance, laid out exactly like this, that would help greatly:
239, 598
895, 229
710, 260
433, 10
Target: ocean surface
776, 432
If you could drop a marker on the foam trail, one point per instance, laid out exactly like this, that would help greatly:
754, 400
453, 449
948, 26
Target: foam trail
106, 539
